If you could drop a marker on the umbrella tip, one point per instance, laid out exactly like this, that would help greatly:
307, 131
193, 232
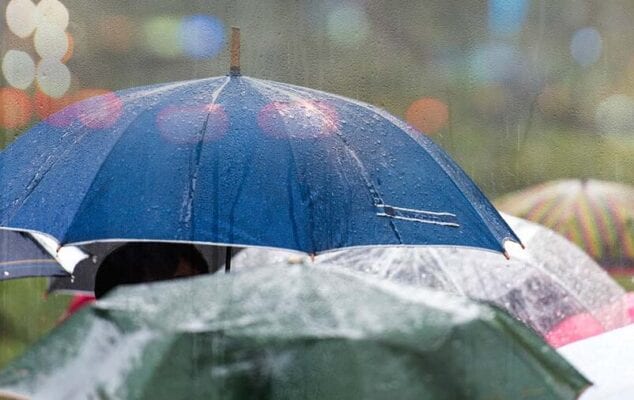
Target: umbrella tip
234, 68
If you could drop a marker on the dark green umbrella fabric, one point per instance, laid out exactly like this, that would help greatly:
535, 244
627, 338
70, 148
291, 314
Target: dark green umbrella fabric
289, 333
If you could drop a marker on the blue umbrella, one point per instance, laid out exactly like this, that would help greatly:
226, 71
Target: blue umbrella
240, 161
21, 256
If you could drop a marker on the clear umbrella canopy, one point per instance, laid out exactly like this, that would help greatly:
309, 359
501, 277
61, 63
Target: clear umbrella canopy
552, 286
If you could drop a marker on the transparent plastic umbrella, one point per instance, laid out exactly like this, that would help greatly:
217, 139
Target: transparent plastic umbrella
290, 332
552, 286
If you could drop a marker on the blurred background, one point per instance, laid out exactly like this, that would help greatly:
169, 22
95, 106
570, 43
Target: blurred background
516, 91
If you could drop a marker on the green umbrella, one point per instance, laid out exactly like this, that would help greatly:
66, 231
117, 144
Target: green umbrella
288, 333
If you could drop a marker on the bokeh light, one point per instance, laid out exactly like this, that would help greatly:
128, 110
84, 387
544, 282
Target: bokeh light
50, 41
298, 119
586, 46
98, 108
162, 36
45, 106
495, 62
116, 33
507, 17
428, 115
20, 17
202, 36
53, 77
348, 24
71, 48
18, 69
615, 115
15, 108
183, 124
51, 12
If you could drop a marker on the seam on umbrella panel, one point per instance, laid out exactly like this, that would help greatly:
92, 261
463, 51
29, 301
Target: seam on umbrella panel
413, 215
297, 92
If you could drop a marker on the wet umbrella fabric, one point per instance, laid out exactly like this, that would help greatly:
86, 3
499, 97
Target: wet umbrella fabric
280, 333
549, 286
240, 161
596, 215
21, 256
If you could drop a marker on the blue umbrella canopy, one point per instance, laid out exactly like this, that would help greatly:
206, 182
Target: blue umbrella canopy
21, 256
240, 161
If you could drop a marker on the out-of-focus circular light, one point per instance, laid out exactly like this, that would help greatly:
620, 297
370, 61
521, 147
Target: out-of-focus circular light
495, 62
304, 119
45, 105
21, 17
15, 108
348, 25
53, 77
99, 109
202, 36
615, 115
162, 36
586, 46
183, 124
71, 48
18, 69
507, 17
51, 12
428, 115
50, 41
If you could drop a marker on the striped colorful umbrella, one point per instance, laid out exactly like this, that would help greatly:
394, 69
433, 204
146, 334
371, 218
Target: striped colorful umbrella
597, 215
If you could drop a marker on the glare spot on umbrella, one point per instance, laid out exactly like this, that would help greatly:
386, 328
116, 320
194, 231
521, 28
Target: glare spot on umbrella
348, 25
53, 77
586, 46
15, 108
428, 115
116, 32
298, 119
162, 36
615, 115
51, 12
21, 17
184, 124
105, 108
202, 36
18, 69
506, 17
50, 41
101, 110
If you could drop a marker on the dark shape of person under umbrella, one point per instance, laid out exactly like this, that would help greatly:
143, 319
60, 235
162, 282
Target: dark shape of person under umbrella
239, 161
289, 332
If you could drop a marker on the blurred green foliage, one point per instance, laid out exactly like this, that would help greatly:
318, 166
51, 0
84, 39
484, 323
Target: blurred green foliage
26, 313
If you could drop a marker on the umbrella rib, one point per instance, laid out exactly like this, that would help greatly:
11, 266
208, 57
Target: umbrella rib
43, 171
295, 226
187, 211
109, 153
374, 193
467, 189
